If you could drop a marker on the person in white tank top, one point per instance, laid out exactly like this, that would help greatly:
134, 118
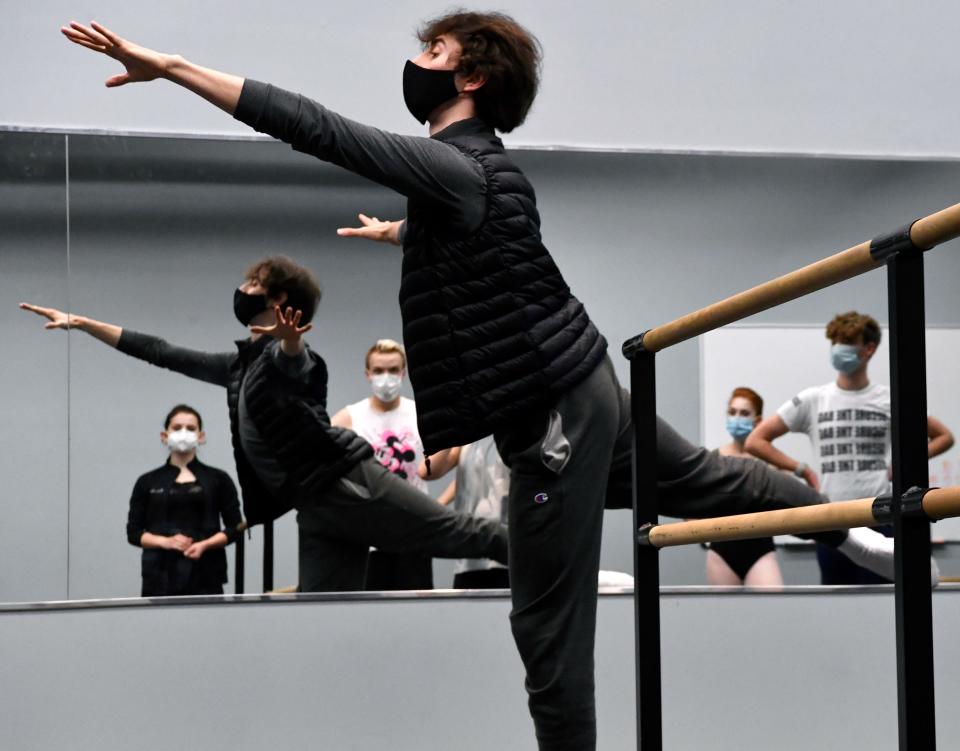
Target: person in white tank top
388, 422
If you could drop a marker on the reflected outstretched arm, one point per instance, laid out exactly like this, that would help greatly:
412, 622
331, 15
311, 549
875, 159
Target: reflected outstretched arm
57, 319
212, 367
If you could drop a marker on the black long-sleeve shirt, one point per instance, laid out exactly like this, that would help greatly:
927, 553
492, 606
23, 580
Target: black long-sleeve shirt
199, 510
428, 169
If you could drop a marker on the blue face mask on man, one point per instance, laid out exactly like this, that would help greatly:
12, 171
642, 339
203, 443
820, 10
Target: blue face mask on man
845, 358
739, 427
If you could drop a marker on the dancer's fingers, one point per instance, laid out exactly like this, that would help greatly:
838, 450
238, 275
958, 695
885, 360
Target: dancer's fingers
88, 33
305, 329
37, 309
97, 37
110, 36
77, 38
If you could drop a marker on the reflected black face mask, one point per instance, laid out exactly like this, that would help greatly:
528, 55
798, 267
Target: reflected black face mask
246, 307
424, 90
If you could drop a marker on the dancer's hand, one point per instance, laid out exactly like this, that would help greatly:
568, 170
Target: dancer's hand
810, 477
195, 551
373, 229
142, 64
179, 542
58, 319
287, 328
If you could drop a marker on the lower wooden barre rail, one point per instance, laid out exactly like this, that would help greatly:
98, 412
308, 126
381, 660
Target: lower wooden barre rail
939, 503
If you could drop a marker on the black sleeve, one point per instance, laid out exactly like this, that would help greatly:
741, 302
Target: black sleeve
229, 505
137, 516
212, 367
417, 167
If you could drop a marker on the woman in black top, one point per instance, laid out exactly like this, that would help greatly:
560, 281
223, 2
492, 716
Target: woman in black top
183, 514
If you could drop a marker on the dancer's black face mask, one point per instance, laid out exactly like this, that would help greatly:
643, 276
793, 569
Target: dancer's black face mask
246, 307
424, 89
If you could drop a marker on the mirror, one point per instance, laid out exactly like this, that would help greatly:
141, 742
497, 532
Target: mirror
34, 386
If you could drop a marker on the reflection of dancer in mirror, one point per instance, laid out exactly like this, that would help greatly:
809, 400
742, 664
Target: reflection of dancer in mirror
849, 425
480, 488
286, 451
388, 422
496, 342
749, 562
175, 515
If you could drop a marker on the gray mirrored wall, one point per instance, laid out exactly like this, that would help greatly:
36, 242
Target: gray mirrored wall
154, 234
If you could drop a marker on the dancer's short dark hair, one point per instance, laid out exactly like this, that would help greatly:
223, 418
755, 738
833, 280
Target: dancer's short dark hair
501, 50
281, 274
180, 408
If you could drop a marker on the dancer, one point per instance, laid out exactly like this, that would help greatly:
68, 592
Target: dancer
176, 512
749, 562
388, 422
286, 452
480, 488
848, 422
496, 342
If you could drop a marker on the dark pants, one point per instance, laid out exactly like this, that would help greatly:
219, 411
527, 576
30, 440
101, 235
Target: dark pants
491, 578
836, 568
567, 463
392, 571
372, 506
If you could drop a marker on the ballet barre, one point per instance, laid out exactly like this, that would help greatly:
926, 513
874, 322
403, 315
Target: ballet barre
935, 504
901, 252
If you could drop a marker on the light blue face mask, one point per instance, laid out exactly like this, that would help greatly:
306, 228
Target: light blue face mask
845, 357
739, 427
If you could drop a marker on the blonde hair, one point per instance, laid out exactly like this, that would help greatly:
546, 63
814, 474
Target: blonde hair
386, 347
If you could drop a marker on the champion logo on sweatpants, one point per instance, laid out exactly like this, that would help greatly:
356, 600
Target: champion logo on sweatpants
541, 498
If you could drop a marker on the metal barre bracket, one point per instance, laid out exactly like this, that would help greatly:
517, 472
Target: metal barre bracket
885, 247
882, 509
911, 502
634, 345
911, 505
643, 535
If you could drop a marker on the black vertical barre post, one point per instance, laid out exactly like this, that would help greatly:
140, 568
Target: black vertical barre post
646, 560
268, 555
239, 563
914, 605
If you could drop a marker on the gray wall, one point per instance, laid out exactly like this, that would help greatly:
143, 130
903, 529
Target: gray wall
161, 231
759, 75
740, 671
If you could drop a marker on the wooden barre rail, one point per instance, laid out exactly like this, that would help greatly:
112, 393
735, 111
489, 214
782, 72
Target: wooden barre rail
925, 234
939, 503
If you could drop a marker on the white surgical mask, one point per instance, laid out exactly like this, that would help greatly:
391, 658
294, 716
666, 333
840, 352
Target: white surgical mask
386, 386
183, 441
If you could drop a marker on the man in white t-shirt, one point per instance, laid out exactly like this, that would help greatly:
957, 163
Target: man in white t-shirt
388, 422
848, 423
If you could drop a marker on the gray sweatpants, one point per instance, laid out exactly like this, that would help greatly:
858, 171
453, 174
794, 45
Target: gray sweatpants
372, 506
566, 464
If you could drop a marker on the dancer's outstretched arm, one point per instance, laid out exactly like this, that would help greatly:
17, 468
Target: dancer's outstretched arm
142, 64
212, 367
425, 168
57, 319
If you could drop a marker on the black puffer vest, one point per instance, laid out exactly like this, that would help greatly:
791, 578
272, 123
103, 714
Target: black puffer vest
491, 328
292, 419
259, 504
